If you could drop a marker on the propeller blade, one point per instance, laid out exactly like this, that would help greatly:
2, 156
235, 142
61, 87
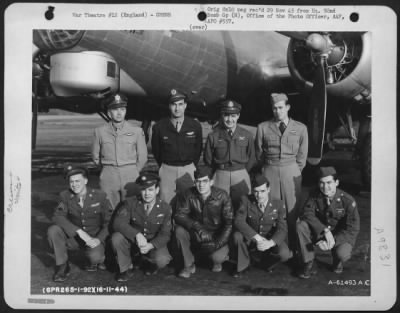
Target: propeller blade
317, 114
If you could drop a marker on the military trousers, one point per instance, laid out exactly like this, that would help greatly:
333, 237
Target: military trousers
123, 250
175, 178
116, 180
60, 243
185, 239
247, 249
285, 184
340, 252
235, 183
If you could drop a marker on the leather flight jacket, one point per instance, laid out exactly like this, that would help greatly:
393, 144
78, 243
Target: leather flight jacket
215, 214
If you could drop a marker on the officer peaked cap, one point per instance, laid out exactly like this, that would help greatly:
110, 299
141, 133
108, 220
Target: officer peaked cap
71, 169
147, 179
260, 180
278, 97
118, 101
203, 171
230, 107
176, 95
326, 171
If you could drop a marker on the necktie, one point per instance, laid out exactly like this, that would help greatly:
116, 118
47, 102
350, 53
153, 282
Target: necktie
261, 207
230, 132
282, 127
178, 126
147, 209
81, 202
328, 201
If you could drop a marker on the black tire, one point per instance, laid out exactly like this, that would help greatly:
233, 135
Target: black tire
366, 160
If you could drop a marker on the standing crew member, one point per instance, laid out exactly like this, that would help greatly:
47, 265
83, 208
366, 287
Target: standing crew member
176, 143
282, 146
144, 224
330, 221
262, 229
203, 221
230, 152
81, 222
120, 148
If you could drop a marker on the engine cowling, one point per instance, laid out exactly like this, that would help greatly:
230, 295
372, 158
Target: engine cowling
348, 63
81, 73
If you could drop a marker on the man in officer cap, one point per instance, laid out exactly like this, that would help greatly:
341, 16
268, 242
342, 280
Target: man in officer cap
81, 222
281, 146
143, 223
120, 149
230, 152
262, 229
204, 222
176, 144
330, 221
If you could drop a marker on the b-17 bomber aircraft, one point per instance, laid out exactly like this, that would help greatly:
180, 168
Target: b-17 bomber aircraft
327, 76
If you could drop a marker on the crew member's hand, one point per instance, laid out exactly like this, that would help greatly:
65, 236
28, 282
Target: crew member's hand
83, 235
330, 240
323, 245
146, 248
141, 240
271, 243
263, 245
204, 235
93, 242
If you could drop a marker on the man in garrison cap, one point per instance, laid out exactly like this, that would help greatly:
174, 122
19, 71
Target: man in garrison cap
120, 149
80, 222
330, 221
203, 222
176, 143
143, 224
281, 146
261, 229
230, 152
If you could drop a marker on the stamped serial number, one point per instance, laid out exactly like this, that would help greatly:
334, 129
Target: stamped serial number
89, 290
349, 282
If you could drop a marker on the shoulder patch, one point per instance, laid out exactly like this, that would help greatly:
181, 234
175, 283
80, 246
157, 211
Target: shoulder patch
353, 204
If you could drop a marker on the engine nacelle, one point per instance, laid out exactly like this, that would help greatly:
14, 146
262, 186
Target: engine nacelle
81, 73
350, 70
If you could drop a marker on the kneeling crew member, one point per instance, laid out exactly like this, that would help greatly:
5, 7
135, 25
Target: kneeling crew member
143, 223
330, 221
262, 228
203, 220
81, 222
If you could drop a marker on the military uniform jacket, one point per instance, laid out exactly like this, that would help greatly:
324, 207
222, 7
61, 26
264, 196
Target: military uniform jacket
132, 219
122, 147
341, 216
271, 224
177, 148
215, 213
275, 148
223, 151
93, 218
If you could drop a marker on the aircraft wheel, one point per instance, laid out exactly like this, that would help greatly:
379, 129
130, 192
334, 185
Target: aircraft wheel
366, 160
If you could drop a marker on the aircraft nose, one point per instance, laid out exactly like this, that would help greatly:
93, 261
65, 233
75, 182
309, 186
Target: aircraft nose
56, 39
